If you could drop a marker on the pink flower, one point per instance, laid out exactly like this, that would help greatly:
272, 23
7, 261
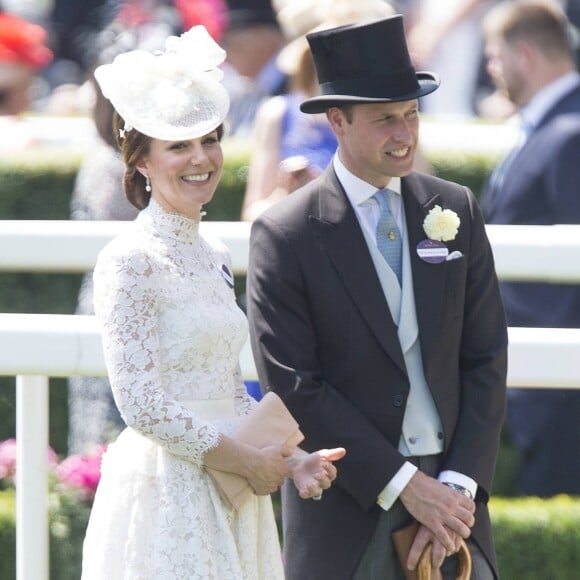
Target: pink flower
82, 471
52, 458
8, 459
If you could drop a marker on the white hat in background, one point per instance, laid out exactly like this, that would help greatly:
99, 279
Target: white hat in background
300, 17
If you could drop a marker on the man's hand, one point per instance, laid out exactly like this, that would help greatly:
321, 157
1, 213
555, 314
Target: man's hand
444, 512
438, 554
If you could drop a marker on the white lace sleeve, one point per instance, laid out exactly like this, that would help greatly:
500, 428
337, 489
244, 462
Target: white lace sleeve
126, 303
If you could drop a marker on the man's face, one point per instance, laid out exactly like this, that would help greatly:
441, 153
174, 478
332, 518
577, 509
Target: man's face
377, 141
505, 66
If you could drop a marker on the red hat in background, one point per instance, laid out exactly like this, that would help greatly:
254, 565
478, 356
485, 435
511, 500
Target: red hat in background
210, 13
22, 42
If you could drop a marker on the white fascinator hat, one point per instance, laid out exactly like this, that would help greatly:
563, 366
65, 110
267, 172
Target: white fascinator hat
173, 95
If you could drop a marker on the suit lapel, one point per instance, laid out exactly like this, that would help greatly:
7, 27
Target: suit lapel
428, 279
340, 234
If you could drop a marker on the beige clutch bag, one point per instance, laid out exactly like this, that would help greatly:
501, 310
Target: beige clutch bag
269, 423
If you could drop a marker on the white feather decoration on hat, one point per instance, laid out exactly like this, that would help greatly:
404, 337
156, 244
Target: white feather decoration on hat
171, 95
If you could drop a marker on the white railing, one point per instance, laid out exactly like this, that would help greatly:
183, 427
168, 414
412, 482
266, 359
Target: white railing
547, 254
34, 347
72, 246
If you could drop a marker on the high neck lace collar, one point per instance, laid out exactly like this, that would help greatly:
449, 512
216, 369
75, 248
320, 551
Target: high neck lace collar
173, 225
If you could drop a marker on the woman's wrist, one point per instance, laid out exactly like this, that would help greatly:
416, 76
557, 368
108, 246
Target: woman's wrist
294, 460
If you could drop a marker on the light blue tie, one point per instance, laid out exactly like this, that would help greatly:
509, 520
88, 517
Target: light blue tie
388, 235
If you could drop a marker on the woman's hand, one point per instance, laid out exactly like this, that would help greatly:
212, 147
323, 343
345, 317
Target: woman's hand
314, 472
267, 471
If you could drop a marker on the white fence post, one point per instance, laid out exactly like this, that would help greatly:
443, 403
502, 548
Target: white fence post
32, 537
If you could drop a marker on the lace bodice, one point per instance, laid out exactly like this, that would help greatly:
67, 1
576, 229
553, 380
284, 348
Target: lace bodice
172, 331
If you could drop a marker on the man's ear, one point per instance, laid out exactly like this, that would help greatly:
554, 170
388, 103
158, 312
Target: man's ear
336, 119
527, 56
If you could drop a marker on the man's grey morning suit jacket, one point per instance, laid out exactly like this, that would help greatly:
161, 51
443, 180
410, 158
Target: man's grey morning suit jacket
324, 339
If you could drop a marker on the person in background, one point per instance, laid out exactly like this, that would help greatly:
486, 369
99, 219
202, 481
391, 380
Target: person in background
80, 28
375, 314
172, 334
530, 59
74, 26
252, 40
446, 37
495, 104
290, 148
23, 54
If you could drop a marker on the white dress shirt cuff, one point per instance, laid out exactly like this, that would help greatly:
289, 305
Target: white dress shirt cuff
459, 479
389, 495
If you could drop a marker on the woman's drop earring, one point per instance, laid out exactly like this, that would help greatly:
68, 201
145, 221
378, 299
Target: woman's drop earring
147, 184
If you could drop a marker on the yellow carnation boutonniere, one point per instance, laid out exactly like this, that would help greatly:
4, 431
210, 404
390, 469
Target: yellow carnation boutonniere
441, 225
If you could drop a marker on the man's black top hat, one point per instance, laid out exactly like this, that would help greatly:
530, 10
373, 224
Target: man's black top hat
365, 63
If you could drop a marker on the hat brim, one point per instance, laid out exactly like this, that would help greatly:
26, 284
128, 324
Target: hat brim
428, 82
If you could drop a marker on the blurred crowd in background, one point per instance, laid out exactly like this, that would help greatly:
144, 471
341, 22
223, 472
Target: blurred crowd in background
48, 48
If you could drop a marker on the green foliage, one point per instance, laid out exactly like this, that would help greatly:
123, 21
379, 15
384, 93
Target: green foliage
7, 535
37, 186
468, 169
537, 539
68, 518
226, 204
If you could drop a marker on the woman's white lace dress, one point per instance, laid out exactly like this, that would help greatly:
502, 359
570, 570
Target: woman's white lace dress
172, 333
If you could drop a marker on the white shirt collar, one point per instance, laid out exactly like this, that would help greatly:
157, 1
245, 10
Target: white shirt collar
357, 190
542, 102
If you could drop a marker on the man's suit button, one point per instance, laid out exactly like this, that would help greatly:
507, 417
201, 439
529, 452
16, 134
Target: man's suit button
398, 400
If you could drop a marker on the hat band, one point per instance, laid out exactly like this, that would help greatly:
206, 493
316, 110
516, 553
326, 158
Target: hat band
374, 87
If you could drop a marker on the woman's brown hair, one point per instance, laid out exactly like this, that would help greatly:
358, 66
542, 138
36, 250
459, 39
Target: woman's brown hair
134, 146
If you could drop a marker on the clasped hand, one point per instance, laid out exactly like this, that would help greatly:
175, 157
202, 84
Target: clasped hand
312, 473
446, 517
